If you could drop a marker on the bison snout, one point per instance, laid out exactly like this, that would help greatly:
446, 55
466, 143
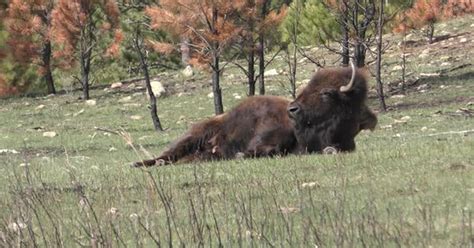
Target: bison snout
293, 110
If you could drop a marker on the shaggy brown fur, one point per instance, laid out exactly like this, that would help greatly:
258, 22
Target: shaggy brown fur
320, 117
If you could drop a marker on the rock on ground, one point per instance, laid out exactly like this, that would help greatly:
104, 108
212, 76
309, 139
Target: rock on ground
157, 88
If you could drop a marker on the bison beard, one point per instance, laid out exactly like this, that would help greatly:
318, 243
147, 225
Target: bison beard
327, 113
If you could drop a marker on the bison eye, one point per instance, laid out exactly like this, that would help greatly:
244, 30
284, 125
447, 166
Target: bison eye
328, 92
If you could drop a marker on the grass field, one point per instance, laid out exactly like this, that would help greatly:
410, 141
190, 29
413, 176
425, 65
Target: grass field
410, 183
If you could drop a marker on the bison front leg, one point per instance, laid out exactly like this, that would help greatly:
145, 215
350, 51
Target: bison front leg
150, 162
183, 147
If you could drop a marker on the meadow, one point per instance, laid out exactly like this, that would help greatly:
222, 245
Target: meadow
66, 180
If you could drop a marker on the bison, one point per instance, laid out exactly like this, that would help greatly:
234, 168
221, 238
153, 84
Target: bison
328, 113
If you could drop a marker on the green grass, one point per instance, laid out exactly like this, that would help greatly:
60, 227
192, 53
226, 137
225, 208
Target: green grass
407, 184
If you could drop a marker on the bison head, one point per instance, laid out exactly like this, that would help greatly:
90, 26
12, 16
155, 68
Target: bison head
331, 110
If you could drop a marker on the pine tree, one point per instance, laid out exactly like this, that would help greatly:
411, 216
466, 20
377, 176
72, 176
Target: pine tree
209, 28
455, 8
78, 26
423, 13
255, 26
316, 24
28, 24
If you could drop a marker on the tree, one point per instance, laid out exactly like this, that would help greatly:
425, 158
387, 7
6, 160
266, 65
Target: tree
378, 71
139, 46
423, 13
28, 24
210, 29
252, 23
267, 14
137, 27
292, 31
77, 26
458, 8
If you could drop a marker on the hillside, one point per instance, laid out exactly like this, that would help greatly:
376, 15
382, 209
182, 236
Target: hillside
65, 178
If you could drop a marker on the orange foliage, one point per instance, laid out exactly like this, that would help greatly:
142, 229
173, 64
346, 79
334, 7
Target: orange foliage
458, 8
5, 88
428, 12
424, 12
114, 48
207, 24
28, 27
161, 47
73, 22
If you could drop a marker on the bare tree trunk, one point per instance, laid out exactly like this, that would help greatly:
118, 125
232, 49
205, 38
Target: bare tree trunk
261, 51
404, 63
250, 45
48, 75
251, 68
216, 88
215, 53
430, 33
345, 38
85, 67
151, 94
292, 65
261, 64
87, 43
185, 51
361, 28
380, 23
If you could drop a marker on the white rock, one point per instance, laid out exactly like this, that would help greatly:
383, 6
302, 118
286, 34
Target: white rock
397, 68
116, 85
16, 226
137, 94
78, 113
112, 149
50, 134
136, 117
4, 151
309, 185
125, 99
398, 96
188, 71
405, 118
210, 95
237, 97
113, 211
423, 129
91, 102
40, 107
270, 73
463, 40
423, 55
157, 88
445, 64
302, 60
422, 87
445, 58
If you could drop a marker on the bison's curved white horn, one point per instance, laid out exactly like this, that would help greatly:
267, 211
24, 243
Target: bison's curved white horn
346, 88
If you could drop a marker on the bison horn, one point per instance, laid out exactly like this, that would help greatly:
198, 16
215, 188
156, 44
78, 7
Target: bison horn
346, 88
